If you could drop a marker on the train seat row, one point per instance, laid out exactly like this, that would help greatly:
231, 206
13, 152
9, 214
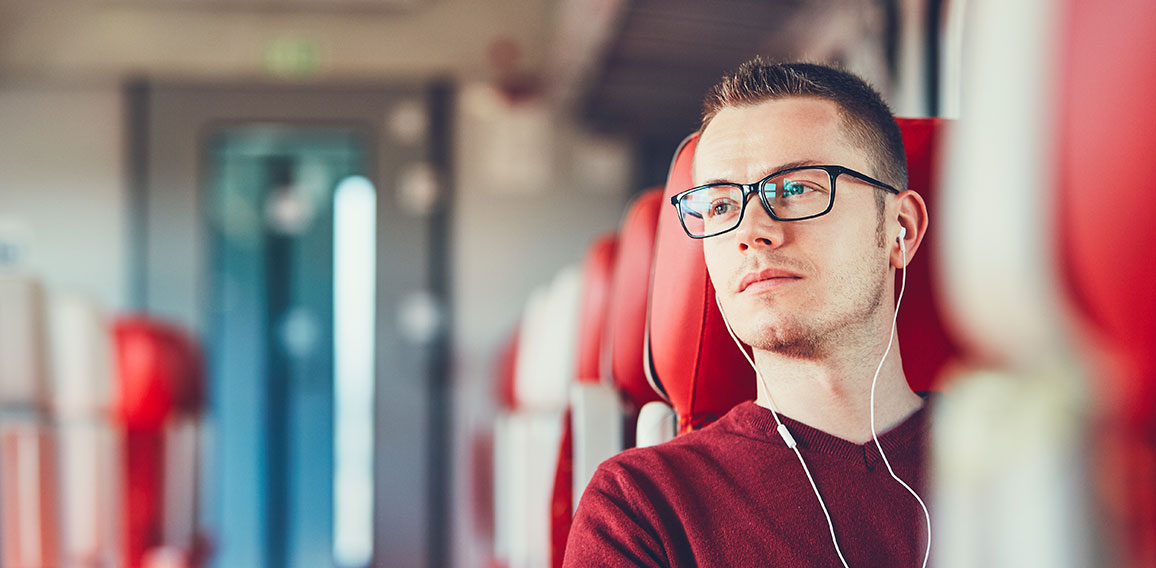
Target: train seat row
99, 434
695, 374
1031, 303
648, 357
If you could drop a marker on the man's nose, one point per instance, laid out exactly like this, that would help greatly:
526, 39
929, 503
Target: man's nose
757, 228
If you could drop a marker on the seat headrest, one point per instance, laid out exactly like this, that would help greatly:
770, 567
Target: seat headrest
597, 272
159, 372
24, 365
81, 357
548, 344
629, 287
923, 338
691, 357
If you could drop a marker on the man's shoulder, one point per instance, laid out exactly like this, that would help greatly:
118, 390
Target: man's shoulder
672, 458
632, 510
645, 484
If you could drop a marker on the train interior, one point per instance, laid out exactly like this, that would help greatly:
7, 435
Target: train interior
352, 283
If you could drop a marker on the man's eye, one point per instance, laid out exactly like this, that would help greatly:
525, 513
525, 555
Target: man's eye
792, 188
721, 207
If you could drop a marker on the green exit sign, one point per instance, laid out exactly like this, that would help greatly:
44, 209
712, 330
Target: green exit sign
292, 57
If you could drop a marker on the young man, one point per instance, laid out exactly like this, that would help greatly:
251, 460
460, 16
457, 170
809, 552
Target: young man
807, 281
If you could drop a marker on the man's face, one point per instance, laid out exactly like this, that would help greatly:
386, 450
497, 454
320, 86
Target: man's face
801, 287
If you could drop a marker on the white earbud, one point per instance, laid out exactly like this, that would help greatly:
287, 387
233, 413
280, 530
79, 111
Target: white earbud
875, 381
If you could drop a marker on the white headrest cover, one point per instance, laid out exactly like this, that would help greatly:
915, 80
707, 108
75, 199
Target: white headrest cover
81, 357
23, 369
548, 346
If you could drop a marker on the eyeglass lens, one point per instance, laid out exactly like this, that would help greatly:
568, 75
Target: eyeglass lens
717, 208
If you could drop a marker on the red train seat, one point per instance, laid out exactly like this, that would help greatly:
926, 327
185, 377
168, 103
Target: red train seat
159, 398
1106, 249
586, 433
90, 449
531, 429
691, 357
29, 497
611, 385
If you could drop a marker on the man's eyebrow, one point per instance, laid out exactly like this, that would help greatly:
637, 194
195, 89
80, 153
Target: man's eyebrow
769, 171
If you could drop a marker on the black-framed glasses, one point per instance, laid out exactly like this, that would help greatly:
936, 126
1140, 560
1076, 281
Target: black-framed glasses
793, 194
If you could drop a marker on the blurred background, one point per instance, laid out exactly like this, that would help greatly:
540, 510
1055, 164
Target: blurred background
260, 258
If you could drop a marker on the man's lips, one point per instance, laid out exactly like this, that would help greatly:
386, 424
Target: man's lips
770, 275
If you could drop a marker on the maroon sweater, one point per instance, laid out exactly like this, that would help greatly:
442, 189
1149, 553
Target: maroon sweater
733, 494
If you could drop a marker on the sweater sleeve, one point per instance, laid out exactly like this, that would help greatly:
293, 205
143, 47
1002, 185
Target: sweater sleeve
612, 526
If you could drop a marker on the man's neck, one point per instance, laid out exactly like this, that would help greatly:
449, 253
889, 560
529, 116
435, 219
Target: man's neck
834, 395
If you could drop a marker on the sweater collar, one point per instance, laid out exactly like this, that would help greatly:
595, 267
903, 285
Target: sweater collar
757, 422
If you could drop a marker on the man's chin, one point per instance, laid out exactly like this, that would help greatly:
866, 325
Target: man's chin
797, 348
783, 338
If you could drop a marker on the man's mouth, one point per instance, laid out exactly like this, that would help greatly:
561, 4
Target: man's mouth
767, 278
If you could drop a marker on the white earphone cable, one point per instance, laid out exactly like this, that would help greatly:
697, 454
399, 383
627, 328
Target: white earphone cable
790, 441
874, 381
786, 435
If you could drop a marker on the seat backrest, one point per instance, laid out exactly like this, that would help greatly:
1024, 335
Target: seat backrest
160, 386
492, 487
590, 432
528, 437
29, 497
604, 404
1106, 234
1106, 243
924, 340
597, 271
90, 457
692, 357
623, 348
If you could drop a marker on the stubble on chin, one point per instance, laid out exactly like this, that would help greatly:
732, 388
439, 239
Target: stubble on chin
792, 337
789, 338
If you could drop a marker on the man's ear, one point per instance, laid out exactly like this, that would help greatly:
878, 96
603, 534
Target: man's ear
910, 211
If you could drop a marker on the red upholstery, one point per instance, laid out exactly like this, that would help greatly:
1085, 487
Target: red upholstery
482, 448
626, 320
617, 274
159, 372
596, 276
485, 482
482, 483
24, 449
562, 500
923, 339
1108, 240
691, 354
506, 367
1106, 209
160, 376
692, 358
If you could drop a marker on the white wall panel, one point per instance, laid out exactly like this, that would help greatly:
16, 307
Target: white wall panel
63, 187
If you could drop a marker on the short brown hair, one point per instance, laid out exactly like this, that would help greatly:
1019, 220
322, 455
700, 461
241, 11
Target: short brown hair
867, 118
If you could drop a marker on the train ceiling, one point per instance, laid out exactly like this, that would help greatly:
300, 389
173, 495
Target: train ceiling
642, 66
